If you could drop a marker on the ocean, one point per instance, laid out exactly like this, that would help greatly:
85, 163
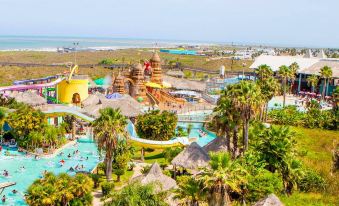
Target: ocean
45, 43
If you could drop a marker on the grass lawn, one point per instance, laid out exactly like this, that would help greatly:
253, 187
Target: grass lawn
150, 157
316, 146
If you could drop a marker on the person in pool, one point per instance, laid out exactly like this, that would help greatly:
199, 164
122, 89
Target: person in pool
14, 191
69, 156
3, 199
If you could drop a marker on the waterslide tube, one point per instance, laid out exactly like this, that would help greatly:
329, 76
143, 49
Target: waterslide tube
33, 86
133, 137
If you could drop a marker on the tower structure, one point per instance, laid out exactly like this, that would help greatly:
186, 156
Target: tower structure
119, 85
138, 88
156, 69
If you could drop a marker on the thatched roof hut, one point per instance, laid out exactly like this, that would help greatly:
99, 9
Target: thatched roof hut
192, 157
155, 175
270, 200
93, 99
217, 145
185, 84
128, 106
28, 97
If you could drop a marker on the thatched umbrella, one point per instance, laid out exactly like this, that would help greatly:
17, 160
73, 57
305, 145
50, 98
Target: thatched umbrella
155, 175
92, 99
270, 200
192, 157
217, 145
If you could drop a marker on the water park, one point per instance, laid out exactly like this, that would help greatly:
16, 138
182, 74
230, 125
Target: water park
134, 91
175, 130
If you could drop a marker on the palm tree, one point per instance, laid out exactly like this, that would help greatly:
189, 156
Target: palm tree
2, 118
312, 81
325, 73
268, 85
224, 176
190, 190
247, 98
284, 73
108, 128
264, 71
294, 67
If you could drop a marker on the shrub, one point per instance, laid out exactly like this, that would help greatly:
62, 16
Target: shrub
311, 182
145, 169
262, 184
170, 153
107, 188
96, 179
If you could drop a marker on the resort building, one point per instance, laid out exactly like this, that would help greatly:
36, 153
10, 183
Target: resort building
308, 64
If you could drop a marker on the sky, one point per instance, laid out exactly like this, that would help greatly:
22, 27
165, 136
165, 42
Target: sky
306, 23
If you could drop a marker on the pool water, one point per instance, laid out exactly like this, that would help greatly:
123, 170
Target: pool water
202, 141
34, 168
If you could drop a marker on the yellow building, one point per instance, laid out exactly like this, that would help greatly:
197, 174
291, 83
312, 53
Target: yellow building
73, 91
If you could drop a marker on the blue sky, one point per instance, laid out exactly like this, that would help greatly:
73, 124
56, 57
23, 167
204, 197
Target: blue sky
280, 22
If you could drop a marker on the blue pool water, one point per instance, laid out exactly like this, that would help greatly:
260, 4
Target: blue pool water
202, 141
34, 168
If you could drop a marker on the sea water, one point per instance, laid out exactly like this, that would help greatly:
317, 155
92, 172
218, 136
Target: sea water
47, 43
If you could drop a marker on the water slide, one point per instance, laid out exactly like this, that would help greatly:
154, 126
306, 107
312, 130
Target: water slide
176, 142
32, 86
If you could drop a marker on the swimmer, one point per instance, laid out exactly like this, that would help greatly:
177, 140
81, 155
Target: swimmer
71, 169
14, 191
86, 158
3, 199
69, 156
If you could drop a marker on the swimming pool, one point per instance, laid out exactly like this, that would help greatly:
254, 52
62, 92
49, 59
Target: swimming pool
34, 168
202, 141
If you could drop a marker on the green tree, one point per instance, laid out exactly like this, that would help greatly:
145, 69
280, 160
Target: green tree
108, 128
294, 67
284, 73
137, 194
121, 157
226, 121
25, 120
191, 191
246, 97
269, 87
2, 118
312, 81
60, 190
276, 147
326, 74
156, 125
224, 177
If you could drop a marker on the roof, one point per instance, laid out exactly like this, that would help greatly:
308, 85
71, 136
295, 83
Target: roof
270, 200
155, 57
192, 157
155, 175
184, 84
128, 106
28, 97
307, 65
217, 145
276, 61
315, 68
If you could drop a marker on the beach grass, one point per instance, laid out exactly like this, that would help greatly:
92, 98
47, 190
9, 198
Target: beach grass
8, 74
316, 146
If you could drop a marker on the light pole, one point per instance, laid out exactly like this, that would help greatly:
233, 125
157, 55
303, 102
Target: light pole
76, 44
243, 69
